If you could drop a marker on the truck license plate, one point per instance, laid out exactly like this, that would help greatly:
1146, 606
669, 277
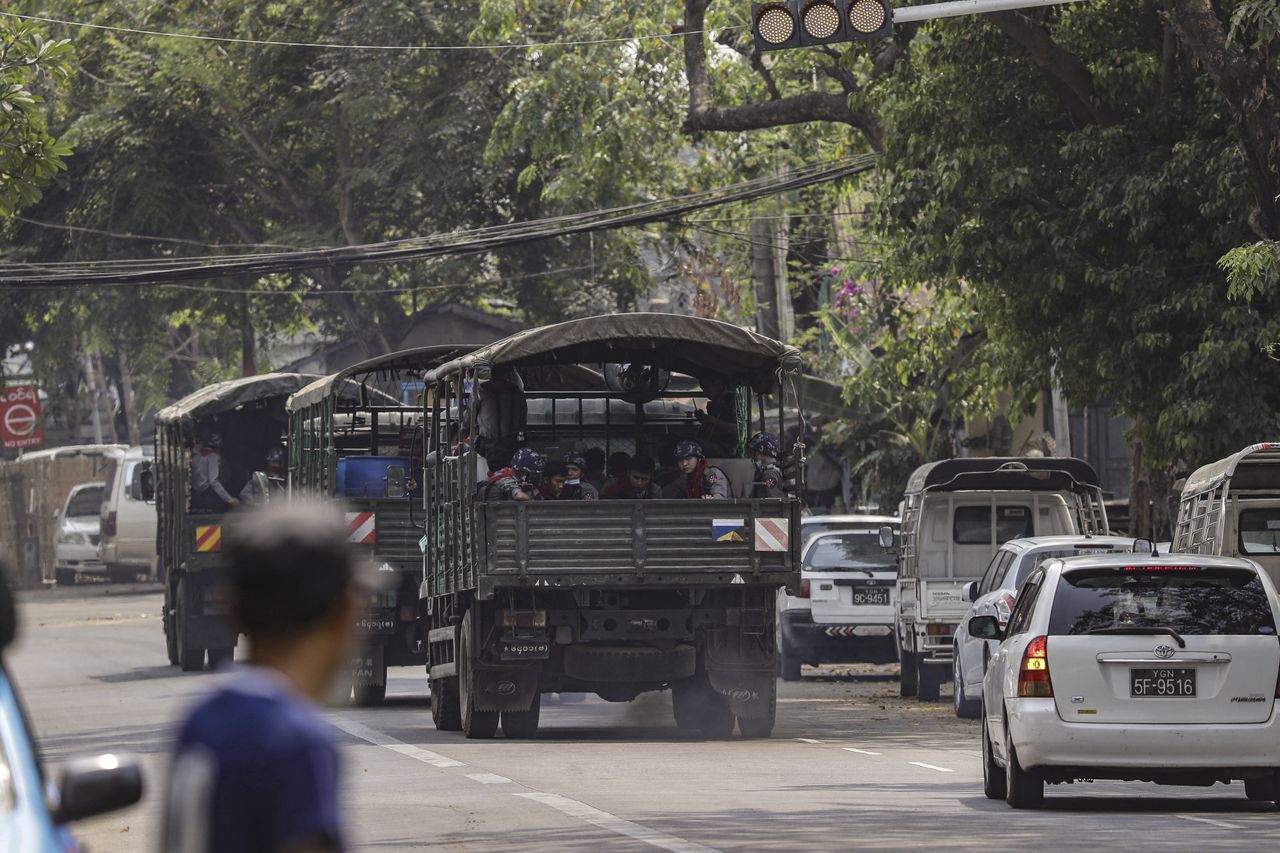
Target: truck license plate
526, 650
1158, 683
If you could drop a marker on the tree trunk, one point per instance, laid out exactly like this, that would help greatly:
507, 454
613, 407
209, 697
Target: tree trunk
248, 354
128, 398
1139, 495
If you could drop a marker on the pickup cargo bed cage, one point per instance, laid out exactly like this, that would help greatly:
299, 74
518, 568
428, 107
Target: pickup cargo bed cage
1209, 496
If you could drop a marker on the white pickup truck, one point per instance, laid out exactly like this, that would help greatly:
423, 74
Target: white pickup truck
956, 513
1231, 508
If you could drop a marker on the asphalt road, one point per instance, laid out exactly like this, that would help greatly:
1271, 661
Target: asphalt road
850, 766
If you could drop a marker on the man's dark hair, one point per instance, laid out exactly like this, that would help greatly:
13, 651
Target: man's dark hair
618, 463
555, 468
641, 464
290, 564
595, 460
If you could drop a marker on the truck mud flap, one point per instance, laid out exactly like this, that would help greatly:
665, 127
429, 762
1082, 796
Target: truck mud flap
506, 689
747, 690
367, 668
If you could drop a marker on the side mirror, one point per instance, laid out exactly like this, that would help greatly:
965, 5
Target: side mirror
971, 591
93, 786
143, 485
1144, 546
888, 540
985, 628
395, 482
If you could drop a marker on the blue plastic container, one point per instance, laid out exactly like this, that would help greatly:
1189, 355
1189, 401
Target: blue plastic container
366, 476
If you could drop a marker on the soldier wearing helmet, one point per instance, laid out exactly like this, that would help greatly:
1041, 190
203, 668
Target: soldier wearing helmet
515, 482
701, 480
764, 455
575, 487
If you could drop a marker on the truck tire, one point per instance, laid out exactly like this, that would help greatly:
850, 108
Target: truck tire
907, 676
219, 656
190, 658
788, 664
170, 633
475, 724
522, 725
929, 679
697, 707
445, 712
65, 577
762, 726
371, 695
634, 664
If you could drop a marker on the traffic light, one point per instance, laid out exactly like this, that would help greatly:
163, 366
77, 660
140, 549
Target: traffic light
782, 24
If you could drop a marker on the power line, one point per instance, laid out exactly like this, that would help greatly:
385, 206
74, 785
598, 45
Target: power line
121, 235
476, 241
411, 48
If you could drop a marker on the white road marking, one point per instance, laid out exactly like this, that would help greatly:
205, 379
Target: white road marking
808, 740
613, 823
377, 738
1210, 821
489, 779
932, 767
859, 751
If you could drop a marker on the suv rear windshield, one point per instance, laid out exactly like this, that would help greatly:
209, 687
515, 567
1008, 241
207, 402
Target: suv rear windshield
849, 551
1188, 599
1260, 531
972, 524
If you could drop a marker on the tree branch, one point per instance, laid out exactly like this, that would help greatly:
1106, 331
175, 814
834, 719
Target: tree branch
1068, 77
1242, 80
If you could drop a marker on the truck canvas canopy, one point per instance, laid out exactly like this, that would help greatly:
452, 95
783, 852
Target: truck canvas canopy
347, 383
229, 396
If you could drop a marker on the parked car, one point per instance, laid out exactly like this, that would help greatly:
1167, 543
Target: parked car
845, 610
76, 548
996, 594
34, 814
1145, 668
128, 546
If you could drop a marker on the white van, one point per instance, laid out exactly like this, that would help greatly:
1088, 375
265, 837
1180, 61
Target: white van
128, 545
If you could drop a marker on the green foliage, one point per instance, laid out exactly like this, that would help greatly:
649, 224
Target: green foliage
30, 156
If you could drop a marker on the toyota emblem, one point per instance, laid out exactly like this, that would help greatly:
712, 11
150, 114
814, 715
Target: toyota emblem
1164, 651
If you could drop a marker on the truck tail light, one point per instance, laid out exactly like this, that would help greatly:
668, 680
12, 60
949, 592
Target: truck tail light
109, 525
1004, 607
524, 618
804, 588
938, 629
1033, 677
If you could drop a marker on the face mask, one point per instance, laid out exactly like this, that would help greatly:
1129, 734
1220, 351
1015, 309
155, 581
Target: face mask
572, 482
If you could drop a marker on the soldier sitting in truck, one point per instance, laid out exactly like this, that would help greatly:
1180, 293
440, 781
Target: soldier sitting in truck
638, 484
702, 481
208, 494
764, 456
515, 482
576, 486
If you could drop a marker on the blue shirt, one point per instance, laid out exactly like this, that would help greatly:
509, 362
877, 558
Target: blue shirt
254, 769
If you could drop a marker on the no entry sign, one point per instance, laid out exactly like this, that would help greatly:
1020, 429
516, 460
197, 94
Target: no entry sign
21, 424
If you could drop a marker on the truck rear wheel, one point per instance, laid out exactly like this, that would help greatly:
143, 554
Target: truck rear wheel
445, 712
170, 633
65, 577
190, 658
929, 678
907, 678
217, 657
697, 707
475, 723
522, 724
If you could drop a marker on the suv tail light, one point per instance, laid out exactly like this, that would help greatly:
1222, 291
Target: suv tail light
804, 588
1004, 607
1033, 677
109, 525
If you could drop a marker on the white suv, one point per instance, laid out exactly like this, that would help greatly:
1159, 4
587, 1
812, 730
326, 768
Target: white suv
996, 594
1156, 669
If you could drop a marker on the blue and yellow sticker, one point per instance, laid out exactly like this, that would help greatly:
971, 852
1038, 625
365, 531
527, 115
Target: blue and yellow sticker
729, 529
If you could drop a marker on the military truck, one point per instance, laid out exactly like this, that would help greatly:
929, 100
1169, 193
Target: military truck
614, 597
1231, 508
249, 414
356, 437
956, 514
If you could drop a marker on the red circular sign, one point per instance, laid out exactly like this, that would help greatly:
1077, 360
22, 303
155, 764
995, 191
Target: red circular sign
20, 420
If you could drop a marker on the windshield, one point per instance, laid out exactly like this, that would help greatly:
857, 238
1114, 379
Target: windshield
1188, 599
1260, 531
85, 502
848, 551
972, 524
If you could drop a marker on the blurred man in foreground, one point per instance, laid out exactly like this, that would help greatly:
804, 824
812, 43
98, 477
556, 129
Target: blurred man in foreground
255, 769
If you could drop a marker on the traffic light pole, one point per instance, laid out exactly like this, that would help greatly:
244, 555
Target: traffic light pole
955, 8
